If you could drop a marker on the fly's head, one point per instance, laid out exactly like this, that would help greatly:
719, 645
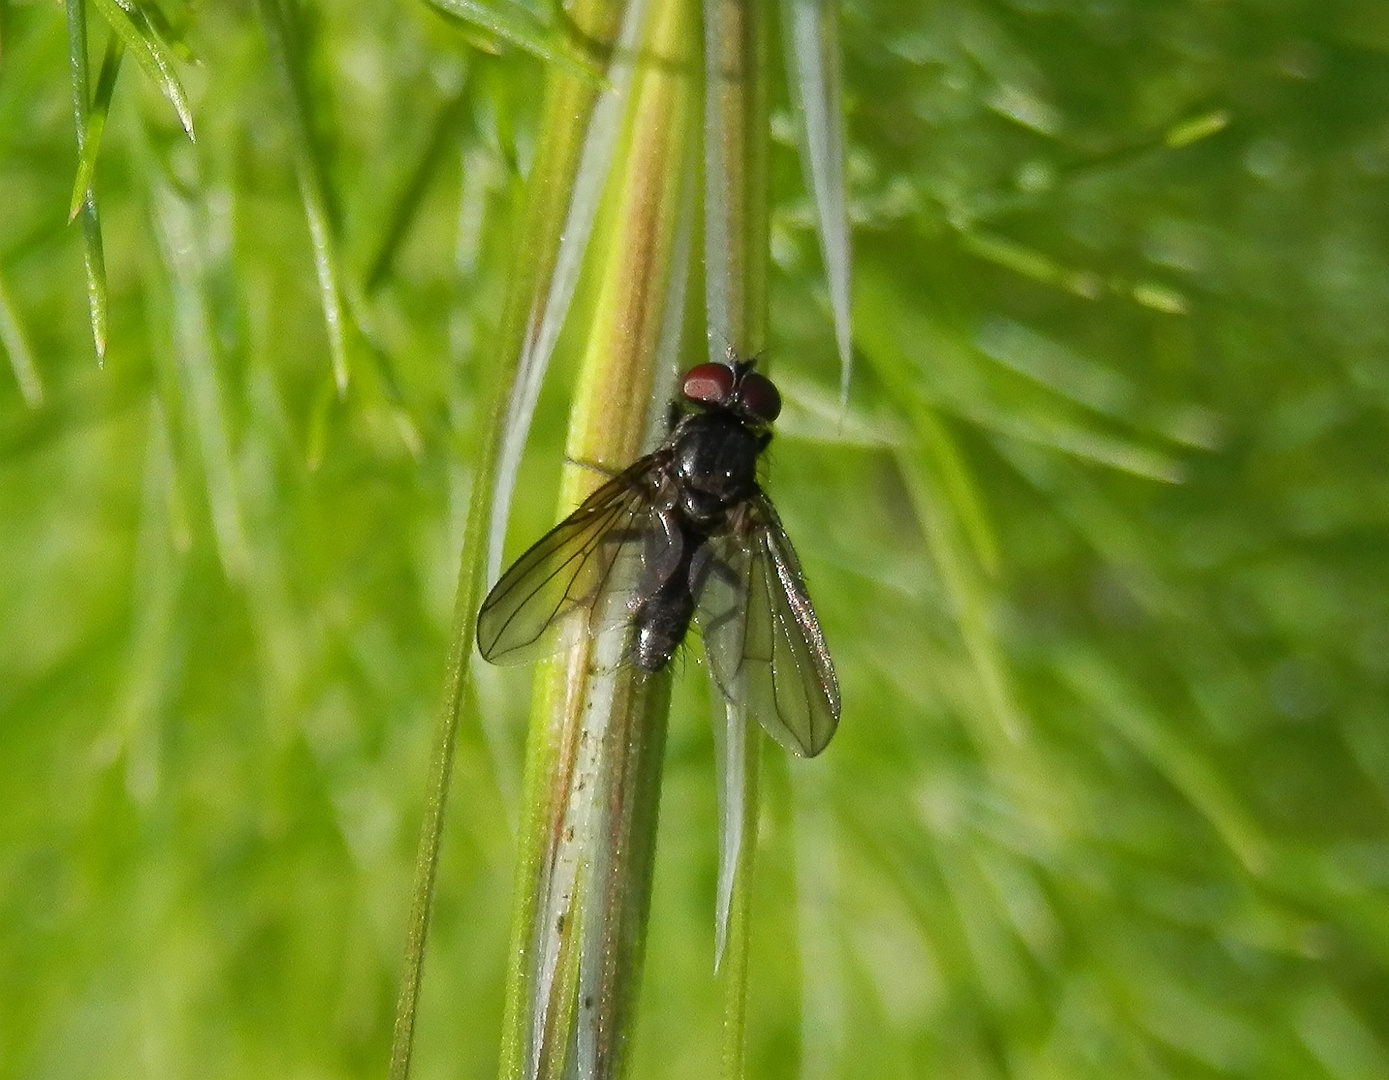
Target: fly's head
733, 389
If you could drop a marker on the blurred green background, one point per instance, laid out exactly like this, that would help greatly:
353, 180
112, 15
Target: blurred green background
1099, 547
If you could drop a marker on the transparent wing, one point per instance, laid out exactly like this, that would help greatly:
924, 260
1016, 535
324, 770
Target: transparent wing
587, 556
761, 637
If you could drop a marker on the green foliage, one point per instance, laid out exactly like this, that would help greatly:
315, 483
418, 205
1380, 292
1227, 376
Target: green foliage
1099, 546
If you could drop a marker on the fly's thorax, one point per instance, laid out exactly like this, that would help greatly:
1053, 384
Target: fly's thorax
715, 462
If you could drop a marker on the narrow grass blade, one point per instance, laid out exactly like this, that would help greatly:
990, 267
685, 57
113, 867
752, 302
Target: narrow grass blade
736, 126
737, 747
547, 319
945, 499
93, 258
16, 345
823, 991
181, 238
407, 204
1077, 440
94, 262
811, 29
128, 22
970, 595
517, 26
670, 342
167, 31
959, 487
1091, 678
155, 649
96, 125
286, 60
736, 933
457, 700
955, 377
1095, 386
730, 761
735, 176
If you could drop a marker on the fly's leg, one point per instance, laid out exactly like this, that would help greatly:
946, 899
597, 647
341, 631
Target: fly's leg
705, 566
662, 554
593, 466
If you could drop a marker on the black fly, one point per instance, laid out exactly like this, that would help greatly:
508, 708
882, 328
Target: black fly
686, 534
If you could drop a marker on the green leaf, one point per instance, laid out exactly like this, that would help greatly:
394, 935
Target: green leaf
96, 124
182, 236
286, 60
811, 29
94, 262
93, 258
128, 22
515, 24
736, 266
409, 202
16, 345
1092, 679
947, 525
735, 176
555, 293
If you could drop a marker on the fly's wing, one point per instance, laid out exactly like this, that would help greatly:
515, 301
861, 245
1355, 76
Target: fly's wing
761, 638
587, 556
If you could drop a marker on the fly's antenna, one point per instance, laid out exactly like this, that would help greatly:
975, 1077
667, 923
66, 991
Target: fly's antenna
741, 364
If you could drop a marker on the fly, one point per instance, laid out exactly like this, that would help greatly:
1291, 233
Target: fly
686, 534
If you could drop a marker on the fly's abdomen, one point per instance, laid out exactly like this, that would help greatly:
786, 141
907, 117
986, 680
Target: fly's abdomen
661, 624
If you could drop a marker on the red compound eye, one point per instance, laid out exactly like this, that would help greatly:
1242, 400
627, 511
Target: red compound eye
709, 384
759, 397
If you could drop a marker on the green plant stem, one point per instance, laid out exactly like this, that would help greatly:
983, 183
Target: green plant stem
736, 123
93, 258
